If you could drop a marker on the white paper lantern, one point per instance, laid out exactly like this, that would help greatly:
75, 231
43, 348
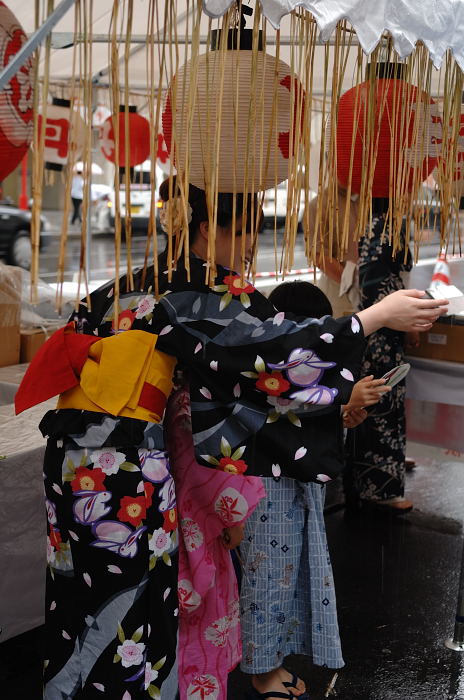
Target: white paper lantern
64, 132
263, 127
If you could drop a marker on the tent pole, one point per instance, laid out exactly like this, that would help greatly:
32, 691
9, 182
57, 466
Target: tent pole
33, 42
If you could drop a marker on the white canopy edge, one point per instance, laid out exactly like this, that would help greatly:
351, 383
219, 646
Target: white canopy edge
439, 24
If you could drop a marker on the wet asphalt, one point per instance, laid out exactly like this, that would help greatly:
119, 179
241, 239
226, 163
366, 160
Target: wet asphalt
397, 581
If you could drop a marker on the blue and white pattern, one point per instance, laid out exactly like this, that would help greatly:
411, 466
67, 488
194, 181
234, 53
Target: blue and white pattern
287, 601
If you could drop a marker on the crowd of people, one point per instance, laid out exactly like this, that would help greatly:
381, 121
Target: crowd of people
206, 420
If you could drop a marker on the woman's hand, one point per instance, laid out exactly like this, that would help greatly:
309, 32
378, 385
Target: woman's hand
404, 310
367, 392
354, 417
232, 536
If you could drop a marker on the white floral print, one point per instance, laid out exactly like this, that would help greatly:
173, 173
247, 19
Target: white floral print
108, 460
131, 653
160, 542
189, 599
193, 536
145, 307
231, 506
204, 687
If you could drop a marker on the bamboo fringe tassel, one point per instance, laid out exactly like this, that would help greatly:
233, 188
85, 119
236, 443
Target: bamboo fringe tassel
423, 115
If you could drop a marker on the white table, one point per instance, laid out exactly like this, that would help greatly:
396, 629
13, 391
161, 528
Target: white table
22, 511
435, 403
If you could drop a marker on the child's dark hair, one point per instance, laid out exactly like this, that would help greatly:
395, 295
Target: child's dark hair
301, 299
197, 200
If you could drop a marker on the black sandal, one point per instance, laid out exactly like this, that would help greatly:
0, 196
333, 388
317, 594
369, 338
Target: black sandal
256, 695
293, 684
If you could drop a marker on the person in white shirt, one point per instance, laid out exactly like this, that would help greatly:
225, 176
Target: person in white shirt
77, 194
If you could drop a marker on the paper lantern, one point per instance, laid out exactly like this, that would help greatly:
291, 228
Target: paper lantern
139, 138
458, 170
64, 133
162, 154
264, 127
16, 99
416, 141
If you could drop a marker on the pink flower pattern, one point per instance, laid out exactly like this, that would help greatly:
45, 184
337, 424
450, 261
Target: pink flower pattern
208, 501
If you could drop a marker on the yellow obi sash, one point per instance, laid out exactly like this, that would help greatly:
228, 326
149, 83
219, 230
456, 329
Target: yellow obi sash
124, 375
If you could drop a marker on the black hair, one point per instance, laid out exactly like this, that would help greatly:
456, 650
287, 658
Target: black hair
302, 299
197, 200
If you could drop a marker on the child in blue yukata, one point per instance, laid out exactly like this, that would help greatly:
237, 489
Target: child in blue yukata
287, 598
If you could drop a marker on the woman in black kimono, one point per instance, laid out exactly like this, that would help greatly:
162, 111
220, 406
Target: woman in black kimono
377, 448
112, 525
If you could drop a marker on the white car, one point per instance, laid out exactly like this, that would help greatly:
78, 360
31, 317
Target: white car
275, 206
140, 202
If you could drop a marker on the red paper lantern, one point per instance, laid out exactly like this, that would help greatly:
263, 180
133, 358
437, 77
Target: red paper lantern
139, 138
162, 154
58, 139
416, 141
270, 131
458, 173
16, 99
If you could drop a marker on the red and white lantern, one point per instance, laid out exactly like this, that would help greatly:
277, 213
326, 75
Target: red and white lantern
441, 273
264, 116
64, 133
16, 100
458, 172
139, 138
162, 153
410, 132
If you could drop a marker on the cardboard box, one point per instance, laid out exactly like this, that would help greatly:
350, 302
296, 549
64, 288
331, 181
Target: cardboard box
444, 341
10, 314
9, 345
32, 339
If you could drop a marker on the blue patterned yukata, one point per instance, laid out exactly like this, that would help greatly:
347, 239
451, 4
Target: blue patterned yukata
287, 601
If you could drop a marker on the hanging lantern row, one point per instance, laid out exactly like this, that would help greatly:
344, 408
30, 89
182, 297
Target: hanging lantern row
16, 100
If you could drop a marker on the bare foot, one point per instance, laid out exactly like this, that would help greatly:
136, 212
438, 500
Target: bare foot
273, 680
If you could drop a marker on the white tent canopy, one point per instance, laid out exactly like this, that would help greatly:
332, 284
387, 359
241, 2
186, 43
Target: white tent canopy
438, 23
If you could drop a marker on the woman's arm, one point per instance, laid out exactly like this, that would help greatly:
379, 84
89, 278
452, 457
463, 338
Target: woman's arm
405, 310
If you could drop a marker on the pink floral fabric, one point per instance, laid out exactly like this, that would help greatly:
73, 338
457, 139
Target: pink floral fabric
208, 500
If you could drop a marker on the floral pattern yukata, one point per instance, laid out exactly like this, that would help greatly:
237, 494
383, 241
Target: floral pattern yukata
377, 447
111, 586
209, 623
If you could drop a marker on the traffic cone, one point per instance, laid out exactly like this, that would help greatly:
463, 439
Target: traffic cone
441, 272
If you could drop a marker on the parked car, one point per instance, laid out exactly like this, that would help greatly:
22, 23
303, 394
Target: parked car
15, 235
140, 202
275, 206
